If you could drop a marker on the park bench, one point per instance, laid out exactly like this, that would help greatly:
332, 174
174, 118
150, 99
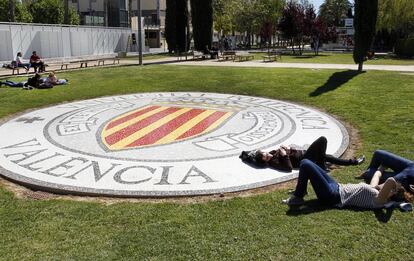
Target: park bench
113, 59
14, 68
83, 63
227, 55
243, 57
272, 56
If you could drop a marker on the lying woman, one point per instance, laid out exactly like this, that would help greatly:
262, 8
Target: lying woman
331, 193
286, 158
402, 168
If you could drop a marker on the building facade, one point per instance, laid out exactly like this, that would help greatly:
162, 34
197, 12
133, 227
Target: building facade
117, 13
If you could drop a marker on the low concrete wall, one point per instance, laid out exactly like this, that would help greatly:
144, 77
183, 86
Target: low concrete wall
57, 41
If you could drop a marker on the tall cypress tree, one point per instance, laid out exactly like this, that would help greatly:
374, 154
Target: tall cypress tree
366, 12
12, 6
175, 25
202, 21
182, 21
171, 25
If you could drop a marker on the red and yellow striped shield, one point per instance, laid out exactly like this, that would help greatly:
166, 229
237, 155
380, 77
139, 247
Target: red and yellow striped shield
156, 124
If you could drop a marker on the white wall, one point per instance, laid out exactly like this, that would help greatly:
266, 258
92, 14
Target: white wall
54, 41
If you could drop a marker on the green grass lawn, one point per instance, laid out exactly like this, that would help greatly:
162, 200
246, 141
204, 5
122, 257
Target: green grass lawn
379, 104
339, 58
323, 57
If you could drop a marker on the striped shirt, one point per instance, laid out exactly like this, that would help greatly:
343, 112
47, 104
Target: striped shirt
358, 195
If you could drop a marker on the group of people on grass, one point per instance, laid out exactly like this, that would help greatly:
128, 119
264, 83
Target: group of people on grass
388, 179
37, 82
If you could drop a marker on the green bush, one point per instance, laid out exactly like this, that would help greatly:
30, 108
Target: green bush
405, 47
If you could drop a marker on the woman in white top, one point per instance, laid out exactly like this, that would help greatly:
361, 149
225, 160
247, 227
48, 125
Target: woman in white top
330, 192
20, 62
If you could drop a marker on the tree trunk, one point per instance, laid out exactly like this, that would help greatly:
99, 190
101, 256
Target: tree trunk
66, 14
11, 11
360, 66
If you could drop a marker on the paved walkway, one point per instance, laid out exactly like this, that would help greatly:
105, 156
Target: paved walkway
5, 73
256, 63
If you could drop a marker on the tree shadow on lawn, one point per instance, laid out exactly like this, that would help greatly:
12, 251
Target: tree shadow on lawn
335, 81
314, 206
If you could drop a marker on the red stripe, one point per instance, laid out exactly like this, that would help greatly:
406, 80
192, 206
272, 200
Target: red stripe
166, 129
202, 125
131, 129
130, 117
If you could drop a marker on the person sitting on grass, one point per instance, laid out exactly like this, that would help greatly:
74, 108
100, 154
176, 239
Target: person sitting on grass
331, 193
286, 158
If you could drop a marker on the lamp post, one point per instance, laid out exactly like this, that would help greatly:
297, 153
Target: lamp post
139, 32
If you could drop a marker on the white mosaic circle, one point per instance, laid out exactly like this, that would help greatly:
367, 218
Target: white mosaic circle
157, 144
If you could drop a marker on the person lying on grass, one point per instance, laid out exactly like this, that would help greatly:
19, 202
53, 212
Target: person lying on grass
402, 169
332, 193
37, 82
52, 80
286, 158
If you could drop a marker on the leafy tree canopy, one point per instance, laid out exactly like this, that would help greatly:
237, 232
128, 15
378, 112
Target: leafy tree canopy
332, 12
396, 16
22, 15
51, 12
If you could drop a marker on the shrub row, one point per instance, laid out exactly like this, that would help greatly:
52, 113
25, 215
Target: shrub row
405, 47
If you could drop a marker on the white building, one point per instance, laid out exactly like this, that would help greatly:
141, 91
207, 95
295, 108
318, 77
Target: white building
117, 13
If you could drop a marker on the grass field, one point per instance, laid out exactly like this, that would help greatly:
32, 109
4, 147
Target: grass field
323, 57
339, 58
379, 104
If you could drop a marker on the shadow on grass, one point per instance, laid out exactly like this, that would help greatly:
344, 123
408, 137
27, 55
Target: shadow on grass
310, 206
303, 57
335, 81
314, 206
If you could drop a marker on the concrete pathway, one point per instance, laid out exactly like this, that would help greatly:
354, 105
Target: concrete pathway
5, 73
256, 63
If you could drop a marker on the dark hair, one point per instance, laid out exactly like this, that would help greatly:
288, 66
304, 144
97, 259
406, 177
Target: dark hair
259, 157
403, 195
19, 53
251, 157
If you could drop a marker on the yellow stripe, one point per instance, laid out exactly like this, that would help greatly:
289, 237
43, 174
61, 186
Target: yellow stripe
185, 127
131, 112
106, 133
218, 122
144, 131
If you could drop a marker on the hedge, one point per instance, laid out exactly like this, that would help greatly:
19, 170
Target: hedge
405, 47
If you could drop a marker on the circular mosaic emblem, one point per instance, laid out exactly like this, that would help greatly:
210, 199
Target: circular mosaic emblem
157, 144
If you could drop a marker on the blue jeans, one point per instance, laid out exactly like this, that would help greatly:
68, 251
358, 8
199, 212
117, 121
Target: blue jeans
27, 65
13, 84
325, 187
403, 169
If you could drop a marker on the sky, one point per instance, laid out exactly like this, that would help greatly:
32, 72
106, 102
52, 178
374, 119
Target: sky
316, 3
